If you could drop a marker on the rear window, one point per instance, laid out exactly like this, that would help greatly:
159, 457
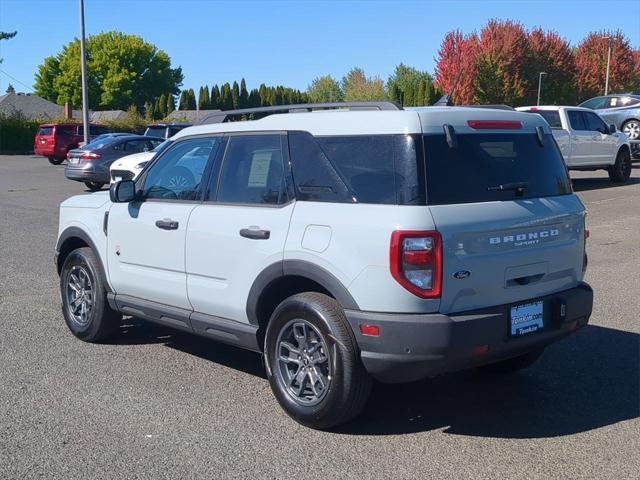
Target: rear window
493, 167
158, 132
551, 116
45, 131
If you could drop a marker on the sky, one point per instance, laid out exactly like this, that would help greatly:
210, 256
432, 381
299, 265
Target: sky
288, 42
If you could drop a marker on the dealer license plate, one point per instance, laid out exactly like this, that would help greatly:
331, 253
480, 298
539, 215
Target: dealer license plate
526, 318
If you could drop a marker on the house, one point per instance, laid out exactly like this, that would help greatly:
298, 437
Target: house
190, 116
32, 107
107, 116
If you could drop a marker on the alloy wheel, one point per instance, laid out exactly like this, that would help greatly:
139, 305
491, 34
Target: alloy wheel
79, 294
304, 363
632, 130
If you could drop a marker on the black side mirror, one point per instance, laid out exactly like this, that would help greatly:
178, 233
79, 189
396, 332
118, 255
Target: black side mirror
612, 129
123, 191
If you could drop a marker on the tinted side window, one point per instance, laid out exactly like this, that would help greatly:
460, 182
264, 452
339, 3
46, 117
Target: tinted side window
595, 123
136, 146
381, 169
314, 175
252, 171
178, 173
552, 117
577, 120
596, 103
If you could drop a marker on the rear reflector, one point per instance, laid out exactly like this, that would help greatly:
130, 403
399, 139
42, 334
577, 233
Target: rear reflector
481, 349
494, 124
370, 330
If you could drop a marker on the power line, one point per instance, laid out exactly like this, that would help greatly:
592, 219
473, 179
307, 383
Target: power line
16, 80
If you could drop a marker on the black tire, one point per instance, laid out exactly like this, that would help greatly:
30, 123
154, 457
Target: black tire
631, 126
349, 385
94, 186
55, 161
513, 365
620, 171
101, 321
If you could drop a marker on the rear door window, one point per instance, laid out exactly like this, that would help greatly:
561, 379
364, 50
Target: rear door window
493, 167
252, 171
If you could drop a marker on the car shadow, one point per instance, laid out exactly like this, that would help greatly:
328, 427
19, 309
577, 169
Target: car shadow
587, 381
598, 183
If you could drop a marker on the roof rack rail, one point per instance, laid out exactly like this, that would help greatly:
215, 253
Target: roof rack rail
221, 116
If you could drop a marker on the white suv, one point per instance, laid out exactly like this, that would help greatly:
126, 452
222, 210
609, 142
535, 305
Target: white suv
345, 245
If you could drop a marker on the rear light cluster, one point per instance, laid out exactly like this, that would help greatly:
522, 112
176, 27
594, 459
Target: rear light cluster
416, 262
90, 156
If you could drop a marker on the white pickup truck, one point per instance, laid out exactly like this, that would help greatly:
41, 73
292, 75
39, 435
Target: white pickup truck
586, 141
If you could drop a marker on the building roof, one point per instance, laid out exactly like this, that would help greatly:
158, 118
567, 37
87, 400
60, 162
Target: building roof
191, 116
30, 106
107, 115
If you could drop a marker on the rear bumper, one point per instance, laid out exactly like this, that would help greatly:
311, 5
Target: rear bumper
87, 174
411, 347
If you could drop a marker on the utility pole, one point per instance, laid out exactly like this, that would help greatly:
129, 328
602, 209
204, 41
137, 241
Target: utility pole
540, 85
606, 82
83, 64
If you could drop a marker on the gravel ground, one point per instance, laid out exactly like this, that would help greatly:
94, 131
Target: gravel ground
159, 404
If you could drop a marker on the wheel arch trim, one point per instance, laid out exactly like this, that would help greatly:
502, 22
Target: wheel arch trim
76, 232
297, 268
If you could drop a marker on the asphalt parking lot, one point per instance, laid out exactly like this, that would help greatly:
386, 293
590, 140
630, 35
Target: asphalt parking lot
159, 404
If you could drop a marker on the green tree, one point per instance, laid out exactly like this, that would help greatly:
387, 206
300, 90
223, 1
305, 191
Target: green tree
360, 88
191, 99
161, 106
171, 103
243, 99
235, 94
226, 102
7, 36
184, 100
122, 70
203, 98
10, 89
150, 111
410, 87
214, 99
325, 89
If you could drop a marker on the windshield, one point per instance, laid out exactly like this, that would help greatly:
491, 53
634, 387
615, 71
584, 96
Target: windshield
493, 167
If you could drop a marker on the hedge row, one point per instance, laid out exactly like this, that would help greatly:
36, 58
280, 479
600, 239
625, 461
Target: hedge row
17, 133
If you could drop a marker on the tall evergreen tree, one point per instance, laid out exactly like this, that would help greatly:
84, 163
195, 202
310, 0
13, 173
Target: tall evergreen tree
214, 99
161, 106
235, 94
226, 102
243, 99
203, 98
171, 103
184, 100
191, 100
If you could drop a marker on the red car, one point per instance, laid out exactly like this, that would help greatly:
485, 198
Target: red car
55, 140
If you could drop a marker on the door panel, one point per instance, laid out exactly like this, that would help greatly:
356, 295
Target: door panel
146, 238
242, 229
146, 261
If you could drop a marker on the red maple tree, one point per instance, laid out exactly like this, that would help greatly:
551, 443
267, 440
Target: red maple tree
456, 67
591, 64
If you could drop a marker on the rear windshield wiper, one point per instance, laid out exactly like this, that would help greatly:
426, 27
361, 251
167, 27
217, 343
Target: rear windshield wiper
518, 187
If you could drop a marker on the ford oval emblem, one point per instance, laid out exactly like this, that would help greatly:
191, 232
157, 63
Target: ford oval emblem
462, 274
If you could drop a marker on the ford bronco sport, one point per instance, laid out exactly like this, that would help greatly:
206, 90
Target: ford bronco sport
343, 244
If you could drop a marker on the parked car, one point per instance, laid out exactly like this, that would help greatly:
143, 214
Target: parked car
586, 141
54, 140
339, 247
90, 164
129, 167
103, 136
165, 130
623, 110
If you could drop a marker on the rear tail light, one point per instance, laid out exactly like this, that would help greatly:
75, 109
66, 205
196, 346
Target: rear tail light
416, 262
495, 124
90, 156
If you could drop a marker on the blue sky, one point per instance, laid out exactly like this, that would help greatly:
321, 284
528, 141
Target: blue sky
288, 42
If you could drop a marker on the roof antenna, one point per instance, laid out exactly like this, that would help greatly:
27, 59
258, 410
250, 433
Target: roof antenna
447, 99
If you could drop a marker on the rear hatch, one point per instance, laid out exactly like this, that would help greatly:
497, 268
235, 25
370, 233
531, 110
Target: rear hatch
45, 139
512, 229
